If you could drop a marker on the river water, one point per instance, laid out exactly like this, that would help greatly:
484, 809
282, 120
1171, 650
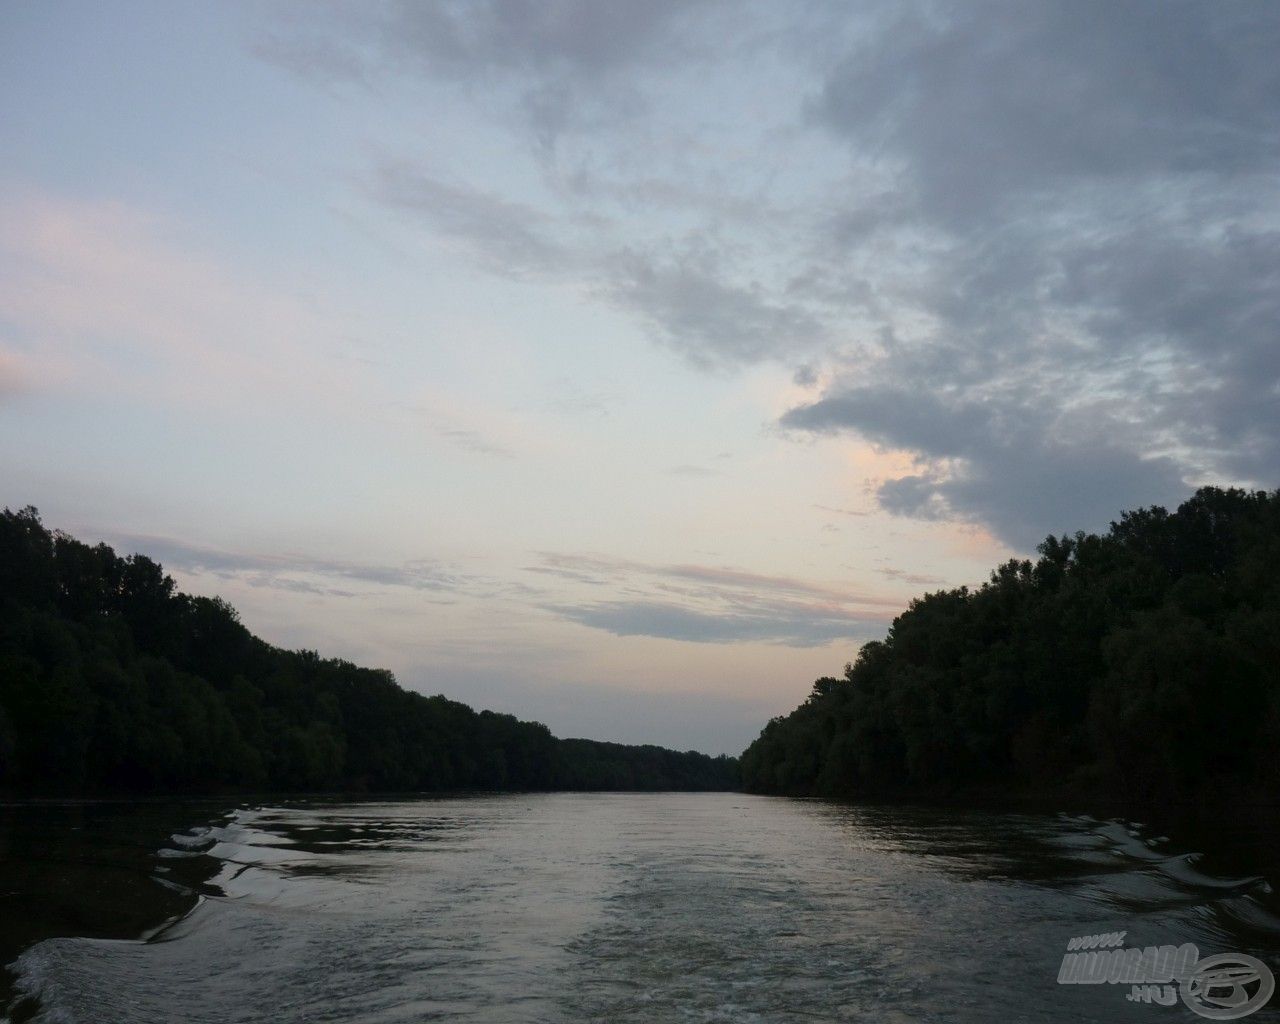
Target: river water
603, 907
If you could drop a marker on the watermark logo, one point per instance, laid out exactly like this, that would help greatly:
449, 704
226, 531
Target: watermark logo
1225, 986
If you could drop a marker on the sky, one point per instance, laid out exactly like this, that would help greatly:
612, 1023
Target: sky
625, 366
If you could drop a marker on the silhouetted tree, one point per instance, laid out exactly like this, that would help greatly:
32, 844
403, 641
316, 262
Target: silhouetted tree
111, 679
1145, 660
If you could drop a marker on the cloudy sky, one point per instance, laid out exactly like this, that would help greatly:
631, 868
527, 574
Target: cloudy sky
625, 365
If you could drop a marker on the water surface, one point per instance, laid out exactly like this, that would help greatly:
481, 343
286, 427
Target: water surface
631, 907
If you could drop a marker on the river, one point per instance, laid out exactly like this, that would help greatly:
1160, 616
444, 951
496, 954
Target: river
597, 907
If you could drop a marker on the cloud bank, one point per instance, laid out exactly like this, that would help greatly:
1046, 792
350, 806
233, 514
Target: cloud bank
1037, 248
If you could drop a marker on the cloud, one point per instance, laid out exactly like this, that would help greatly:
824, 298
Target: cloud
804, 376
602, 569
713, 604
856, 513
567, 61
896, 418
916, 578
1081, 257
468, 425
997, 465
1035, 248
693, 304
686, 295
692, 471
987, 102
578, 38
299, 573
507, 238
794, 627
474, 441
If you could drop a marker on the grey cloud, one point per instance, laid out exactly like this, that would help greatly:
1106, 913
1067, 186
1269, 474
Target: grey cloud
857, 513
282, 571
999, 467
1204, 311
754, 582
587, 66
694, 306
714, 604
568, 62
917, 578
896, 417
568, 574
805, 376
272, 581
1025, 494
722, 580
789, 626
553, 37
998, 98
508, 238
688, 300
314, 56
1080, 262
589, 566
1037, 246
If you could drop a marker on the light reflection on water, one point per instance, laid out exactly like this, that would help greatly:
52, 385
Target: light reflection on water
654, 908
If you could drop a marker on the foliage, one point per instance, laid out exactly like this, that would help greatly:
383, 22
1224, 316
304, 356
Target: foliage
1145, 661
113, 680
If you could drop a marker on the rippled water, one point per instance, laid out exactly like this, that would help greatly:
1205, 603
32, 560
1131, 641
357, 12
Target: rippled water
654, 908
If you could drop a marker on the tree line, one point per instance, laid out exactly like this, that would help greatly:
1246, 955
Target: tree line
1143, 663
112, 680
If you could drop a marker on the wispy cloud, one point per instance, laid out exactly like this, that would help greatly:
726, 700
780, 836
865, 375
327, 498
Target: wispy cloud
296, 572
856, 513
687, 293
507, 238
474, 441
713, 604
919, 579
569, 63
767, 623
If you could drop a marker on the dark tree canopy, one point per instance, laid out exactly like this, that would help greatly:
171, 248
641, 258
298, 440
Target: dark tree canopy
1144, 663
113, 680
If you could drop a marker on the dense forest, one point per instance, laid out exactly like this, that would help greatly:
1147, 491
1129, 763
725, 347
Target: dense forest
111, 680
1142, 664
